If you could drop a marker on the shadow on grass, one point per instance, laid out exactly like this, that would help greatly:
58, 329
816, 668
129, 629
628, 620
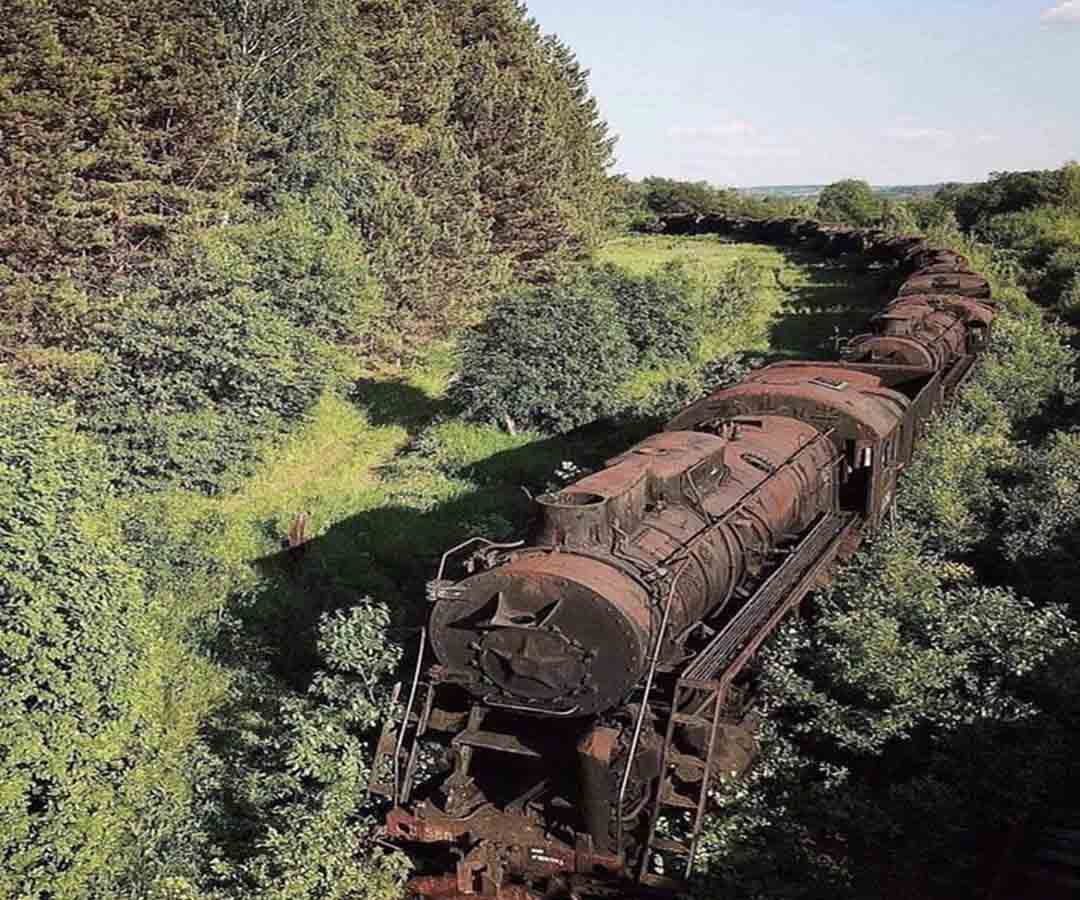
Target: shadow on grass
390, 552
396, 403
835, 304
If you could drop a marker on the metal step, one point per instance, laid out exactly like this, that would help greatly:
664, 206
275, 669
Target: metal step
668, 797
674, 885
690, 719
494, 740
670, 846
687, 760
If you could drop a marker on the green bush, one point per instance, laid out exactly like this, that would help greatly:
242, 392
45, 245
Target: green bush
1059, 286
551, 358
190, 386
1069, 302
733, 292
668, 397
188, 372
1041, 518
101, 699
849, 202
659, 311
306, 261
283, 788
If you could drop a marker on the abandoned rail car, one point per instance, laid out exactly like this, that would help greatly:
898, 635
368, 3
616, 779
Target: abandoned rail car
581, 687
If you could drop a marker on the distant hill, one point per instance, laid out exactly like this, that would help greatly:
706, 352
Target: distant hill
794, 191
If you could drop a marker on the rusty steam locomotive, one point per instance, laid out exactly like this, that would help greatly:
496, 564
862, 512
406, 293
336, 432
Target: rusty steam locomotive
590, 682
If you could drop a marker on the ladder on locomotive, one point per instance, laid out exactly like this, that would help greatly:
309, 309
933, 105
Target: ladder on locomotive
397, 751
725, 655
694, 703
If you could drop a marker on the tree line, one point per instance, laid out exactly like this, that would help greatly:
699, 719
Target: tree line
210, 213
202, 201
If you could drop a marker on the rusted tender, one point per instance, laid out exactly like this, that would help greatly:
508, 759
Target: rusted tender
930, 330
965, 284
864, 417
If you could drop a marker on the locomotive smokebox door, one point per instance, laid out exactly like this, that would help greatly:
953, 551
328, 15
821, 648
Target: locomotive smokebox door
554, 634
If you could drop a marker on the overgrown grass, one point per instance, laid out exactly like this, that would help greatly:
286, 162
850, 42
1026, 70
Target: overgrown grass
803, 304
388, 479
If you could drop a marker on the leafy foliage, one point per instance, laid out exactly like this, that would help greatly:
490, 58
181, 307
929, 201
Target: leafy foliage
522, 369
551, 357
101, 695
662, 317
1036, 217
851, 202
295, 774
187, 236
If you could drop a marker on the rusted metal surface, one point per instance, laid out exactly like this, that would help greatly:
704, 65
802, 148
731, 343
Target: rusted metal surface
917, 330
681, 555
856, 403
519, 844
965, 285
899, 349
567, 626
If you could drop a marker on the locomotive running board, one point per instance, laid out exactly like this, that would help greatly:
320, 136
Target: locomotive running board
727, 653
782, 590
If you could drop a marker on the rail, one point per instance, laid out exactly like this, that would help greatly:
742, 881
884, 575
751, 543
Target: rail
640, 720
408, 712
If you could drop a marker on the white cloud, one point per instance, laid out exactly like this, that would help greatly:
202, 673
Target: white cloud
731, 139
758, 152
730, 128
1067, 12
987, 138
912, 135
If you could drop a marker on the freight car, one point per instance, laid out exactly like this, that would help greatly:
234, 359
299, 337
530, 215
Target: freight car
588, 684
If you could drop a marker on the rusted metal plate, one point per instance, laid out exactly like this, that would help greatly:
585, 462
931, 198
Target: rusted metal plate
965, 285
559, 633
857, 402
969, 309
894, 349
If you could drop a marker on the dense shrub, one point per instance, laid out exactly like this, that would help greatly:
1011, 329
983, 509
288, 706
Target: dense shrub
1040, 532
193, 374
734, 291
669, 396
1035, 216
662, 319
1007, 192
101, 697
284, 786
518, 366
551, 357
850, 202
1069, 302
306, 262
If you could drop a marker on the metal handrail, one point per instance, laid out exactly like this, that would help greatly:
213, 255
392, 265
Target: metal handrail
473, 540
654, 662
405, 719
640, 721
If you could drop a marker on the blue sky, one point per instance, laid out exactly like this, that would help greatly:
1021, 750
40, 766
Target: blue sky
780, 92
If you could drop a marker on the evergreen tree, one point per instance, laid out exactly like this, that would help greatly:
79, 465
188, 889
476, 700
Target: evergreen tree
523, 110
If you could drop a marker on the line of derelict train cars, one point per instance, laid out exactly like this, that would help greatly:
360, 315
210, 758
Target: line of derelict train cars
590, 683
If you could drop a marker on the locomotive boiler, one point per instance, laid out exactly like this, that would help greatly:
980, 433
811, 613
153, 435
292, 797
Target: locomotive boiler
565, 627
589, 682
